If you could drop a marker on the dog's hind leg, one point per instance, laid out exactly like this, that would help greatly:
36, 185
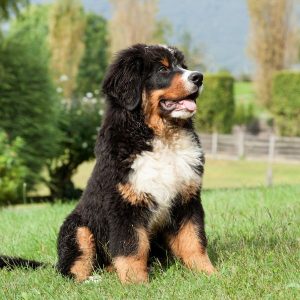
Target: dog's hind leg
76, 249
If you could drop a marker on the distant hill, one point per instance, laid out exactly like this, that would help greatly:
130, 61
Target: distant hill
220, 26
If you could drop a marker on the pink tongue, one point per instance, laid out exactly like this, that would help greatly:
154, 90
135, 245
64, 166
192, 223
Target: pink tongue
187, 104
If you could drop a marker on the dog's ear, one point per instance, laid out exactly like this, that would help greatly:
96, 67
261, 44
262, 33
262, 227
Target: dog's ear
123, 82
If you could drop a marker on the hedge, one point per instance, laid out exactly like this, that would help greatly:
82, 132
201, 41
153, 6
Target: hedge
286, 102
12, 170
215, 106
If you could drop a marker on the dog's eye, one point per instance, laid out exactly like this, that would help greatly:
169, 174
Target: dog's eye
163, 69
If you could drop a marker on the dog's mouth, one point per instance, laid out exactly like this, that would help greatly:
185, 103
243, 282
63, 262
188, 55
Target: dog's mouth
187, 103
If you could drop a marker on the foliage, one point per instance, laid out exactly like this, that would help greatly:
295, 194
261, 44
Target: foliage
194, 55
64, 136
12, 170
94, 60
79, 123
9, 7
243, 114
66, 33
216, 104
286, 102
80, 116
28, 100
273, 41
163, 31
133, 22
32, 26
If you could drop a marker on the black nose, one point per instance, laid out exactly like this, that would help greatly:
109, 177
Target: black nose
196, 78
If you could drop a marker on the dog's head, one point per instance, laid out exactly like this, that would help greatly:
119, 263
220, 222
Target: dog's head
154, 79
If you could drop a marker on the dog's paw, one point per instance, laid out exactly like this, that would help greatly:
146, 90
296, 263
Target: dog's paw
94, 278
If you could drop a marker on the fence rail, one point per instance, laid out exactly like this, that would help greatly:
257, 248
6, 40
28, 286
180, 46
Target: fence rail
249, 146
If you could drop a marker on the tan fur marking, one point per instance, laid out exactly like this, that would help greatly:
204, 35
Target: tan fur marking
151, 104
128, 193
190, 190
133, 269
151, 112
176, 89
83, 266
186, 246
110, 269
165, 62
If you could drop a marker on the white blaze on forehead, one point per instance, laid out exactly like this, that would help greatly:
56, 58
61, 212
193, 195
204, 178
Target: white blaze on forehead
189, 85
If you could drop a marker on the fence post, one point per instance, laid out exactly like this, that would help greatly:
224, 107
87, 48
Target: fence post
241, 144
214, 144
269, 178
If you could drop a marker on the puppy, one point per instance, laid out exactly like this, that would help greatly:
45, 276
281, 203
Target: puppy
144, 191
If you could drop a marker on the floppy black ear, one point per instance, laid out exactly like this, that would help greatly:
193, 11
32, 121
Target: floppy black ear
123, 81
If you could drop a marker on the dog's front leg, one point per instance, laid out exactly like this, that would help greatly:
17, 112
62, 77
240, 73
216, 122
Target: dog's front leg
131, 256
188, 242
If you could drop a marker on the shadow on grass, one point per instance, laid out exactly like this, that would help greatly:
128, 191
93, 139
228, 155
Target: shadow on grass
220, 250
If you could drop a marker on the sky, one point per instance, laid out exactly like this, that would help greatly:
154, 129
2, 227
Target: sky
219, 27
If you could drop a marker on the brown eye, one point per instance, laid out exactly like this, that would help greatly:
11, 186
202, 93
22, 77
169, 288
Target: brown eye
163, 69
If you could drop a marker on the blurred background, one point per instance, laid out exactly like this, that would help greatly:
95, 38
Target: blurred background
53, 56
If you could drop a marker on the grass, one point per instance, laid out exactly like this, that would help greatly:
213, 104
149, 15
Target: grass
243, 173
253, 241
227, 173
244, 93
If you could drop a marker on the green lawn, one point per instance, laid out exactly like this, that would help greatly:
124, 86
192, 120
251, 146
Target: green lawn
227, 173
253, 241
244, 93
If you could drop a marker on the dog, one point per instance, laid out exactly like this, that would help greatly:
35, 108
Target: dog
144, 191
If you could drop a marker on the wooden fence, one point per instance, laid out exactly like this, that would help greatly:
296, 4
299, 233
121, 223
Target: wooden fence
244, 145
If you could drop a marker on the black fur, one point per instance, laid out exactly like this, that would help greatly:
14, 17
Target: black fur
17, 262
125, 134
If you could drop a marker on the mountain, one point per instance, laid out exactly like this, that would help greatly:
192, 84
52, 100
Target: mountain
221, 27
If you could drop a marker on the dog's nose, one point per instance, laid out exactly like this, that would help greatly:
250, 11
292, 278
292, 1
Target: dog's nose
196, 78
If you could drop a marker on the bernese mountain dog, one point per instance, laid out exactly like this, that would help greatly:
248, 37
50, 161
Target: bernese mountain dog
144, 192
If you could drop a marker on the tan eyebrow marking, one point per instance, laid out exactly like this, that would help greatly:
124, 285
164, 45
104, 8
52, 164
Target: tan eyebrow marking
165, 62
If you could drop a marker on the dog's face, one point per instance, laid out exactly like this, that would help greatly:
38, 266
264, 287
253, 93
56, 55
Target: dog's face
154, 79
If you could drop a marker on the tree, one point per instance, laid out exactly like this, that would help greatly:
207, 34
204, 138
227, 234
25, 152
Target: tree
272, 41
133, 21
80, 124
8, 7
80, 119
66, 34
216, 104
28, 99
12, 170
286, 102
94, 61
194, 55
76, 121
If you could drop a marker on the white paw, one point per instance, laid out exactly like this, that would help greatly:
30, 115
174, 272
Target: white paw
94, 278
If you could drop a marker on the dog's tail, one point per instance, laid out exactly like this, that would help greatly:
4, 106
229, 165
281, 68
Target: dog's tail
15, 262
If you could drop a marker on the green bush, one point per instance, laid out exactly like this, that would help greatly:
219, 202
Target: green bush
28, 98
286, 102
94, 61
80, 124
12, 170
216, 104
244, 114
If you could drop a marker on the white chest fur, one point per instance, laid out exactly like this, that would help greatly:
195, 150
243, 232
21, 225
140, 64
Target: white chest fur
166, 170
